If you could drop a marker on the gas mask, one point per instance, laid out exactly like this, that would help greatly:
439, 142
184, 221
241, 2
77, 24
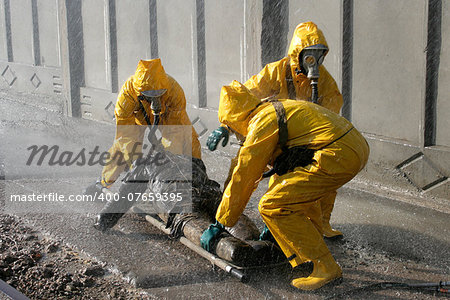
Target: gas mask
154, 97
310, 59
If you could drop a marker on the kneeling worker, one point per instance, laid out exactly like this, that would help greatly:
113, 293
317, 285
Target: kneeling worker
313, 151
150, 86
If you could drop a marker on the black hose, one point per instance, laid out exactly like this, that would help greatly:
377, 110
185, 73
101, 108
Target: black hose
441, 287
315, 91
151, 134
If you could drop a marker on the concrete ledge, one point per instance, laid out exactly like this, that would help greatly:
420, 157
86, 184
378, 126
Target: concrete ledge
407, 173
33, 79
97, 104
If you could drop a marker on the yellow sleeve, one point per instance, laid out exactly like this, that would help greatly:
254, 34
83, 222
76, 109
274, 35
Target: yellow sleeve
127, 134
330, 97
267, 82
253, 157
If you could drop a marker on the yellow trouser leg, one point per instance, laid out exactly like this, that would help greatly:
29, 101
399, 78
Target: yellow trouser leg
327, 204
300, 241
295, 233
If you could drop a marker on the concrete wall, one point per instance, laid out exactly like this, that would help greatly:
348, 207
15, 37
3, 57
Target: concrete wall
3, 42
29, 47
179, 58
95, 16
390, 59
389, 68
443, 101
48, 33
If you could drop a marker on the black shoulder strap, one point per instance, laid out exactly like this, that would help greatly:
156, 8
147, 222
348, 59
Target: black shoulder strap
282, 123
147, 119
290, 82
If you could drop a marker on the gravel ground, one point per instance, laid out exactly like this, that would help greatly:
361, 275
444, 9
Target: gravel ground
44, 269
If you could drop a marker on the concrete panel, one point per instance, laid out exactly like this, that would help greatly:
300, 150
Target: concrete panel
133, 36
3, 49
22, 31
327, 15
389, 67
177, 43
95, 44
97, 104
443, 101
224, 39
23, 78
48, 29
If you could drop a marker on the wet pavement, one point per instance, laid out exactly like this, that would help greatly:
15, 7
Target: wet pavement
385, 240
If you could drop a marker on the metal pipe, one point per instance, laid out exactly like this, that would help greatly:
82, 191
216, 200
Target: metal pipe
215, 260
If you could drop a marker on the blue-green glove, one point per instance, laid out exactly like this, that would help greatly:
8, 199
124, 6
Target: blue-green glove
215, 137
266, 235
210, 235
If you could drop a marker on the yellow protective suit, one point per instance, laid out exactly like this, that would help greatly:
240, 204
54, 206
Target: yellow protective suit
291, 206
271, 81
149, 75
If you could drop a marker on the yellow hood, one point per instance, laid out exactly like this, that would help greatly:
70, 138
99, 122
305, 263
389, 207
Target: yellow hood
149, 75
305, 35
236, 105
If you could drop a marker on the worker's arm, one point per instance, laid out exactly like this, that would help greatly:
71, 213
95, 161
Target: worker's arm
128, 140
267, 82
253, 157
329, 95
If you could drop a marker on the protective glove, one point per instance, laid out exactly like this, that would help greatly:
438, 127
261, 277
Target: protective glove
94, 189
266, 235
215, 137
210, 235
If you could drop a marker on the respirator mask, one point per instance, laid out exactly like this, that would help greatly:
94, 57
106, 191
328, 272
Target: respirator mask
310, 59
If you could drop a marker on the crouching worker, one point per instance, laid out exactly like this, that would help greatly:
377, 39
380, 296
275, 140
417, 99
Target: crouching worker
149, 89
296, 77
313, 152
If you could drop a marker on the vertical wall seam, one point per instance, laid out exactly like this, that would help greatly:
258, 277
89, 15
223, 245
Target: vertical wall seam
347, 58
113, 45
433, 52
153, 15
9, 47
36, 42
75, 53
274, 30
201, 53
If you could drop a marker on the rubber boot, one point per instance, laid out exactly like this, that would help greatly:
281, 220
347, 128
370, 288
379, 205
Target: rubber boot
329, 232
325, 271
106, 220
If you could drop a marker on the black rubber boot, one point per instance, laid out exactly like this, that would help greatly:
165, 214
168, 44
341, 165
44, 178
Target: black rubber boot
104, 221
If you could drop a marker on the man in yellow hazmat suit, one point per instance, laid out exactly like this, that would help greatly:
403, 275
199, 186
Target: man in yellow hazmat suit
290, 78
132, 108
291, 206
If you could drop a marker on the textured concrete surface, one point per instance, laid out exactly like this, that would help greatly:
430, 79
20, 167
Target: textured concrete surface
385, 239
